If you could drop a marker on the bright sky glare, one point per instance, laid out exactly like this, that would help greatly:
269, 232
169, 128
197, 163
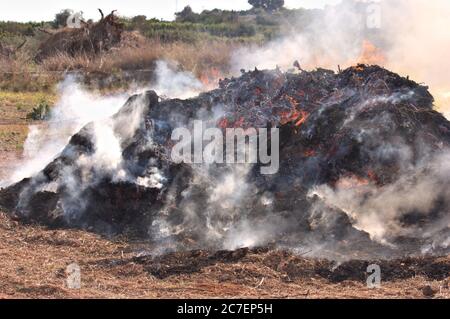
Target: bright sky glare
44, 10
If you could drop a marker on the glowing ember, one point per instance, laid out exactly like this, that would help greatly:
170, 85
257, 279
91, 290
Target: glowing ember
223, 123
352, 182
310, 153
239, 123
373, 176
227, 123
303, 117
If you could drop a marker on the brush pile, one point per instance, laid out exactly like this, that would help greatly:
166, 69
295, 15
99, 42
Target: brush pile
5, 51
363, 169
89, 39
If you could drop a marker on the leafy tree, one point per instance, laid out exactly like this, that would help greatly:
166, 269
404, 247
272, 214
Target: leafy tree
187, 15
269, 5
61, 18
139, 20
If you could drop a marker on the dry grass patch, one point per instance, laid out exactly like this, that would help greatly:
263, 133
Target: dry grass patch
33, 261
196, 58
14, 108
12, 137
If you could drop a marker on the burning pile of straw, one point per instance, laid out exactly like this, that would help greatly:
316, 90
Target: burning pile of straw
362, 169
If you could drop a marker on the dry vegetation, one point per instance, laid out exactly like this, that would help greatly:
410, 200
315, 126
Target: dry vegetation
24, 83
14, 108
195, 58
33, 262
21, 74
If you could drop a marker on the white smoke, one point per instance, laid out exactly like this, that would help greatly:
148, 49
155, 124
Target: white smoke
249, 233
329, 39
175, 84
379, 210
419, 43
337, 38
75, 108
107, 156
333, 39
409, 37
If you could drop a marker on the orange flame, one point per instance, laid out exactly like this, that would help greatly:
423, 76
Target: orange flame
370, 54
223, 123
352, 182
239, 123
210, 77
303, 117
227, 123
289, 116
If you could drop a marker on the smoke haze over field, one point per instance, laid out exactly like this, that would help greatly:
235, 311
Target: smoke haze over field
420, 43
412, 38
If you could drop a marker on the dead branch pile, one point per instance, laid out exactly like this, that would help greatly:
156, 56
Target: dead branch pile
7, 51
89, 39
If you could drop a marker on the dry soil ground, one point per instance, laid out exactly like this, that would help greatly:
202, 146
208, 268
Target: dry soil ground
33, 263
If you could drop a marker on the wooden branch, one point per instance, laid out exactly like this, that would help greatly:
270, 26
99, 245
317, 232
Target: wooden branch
21, 46
45, 31
101, 13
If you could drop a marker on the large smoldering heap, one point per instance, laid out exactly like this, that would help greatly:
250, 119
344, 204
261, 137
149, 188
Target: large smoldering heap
362, 173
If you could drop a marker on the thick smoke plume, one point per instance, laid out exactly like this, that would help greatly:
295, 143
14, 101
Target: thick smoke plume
77, 106
409, 37
419, 43
379, 210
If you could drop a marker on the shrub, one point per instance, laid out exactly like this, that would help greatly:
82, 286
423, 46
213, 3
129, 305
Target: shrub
40, 113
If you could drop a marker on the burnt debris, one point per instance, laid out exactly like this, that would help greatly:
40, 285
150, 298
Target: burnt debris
364, 130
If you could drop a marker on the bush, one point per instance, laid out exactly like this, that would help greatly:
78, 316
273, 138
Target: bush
269, 5
61, 18
10, 29
40, 113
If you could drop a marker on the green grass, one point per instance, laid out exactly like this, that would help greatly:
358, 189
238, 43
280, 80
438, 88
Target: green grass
14, 108
14, 102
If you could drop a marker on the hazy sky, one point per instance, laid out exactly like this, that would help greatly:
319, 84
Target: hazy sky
29, 10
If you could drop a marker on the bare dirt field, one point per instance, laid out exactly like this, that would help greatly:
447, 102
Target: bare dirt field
33, 263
